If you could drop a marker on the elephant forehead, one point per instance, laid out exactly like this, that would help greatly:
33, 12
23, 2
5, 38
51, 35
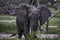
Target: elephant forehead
33, 11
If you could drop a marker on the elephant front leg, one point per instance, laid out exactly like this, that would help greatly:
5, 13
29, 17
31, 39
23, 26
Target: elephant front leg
26, 29
20, 32
19, 28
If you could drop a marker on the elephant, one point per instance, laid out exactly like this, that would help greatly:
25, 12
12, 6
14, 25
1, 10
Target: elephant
27, 16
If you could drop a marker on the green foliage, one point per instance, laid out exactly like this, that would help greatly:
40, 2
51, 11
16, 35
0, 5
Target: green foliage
51, 31
32, 36
33, 39
52, 10
49, 39
7, 27
55, 20
9, 39
58, 1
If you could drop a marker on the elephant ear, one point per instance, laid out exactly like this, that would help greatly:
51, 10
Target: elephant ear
44, 14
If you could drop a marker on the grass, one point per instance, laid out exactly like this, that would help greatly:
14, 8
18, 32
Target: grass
9, 39
55, 20
52, 10
7, 27
50, 31
7, 17
49, 39
32, 39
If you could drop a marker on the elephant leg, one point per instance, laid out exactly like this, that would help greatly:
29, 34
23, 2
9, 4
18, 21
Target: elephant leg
20, 31
26, 28
19, 28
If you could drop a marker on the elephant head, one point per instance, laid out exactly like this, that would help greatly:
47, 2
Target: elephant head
43, 11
